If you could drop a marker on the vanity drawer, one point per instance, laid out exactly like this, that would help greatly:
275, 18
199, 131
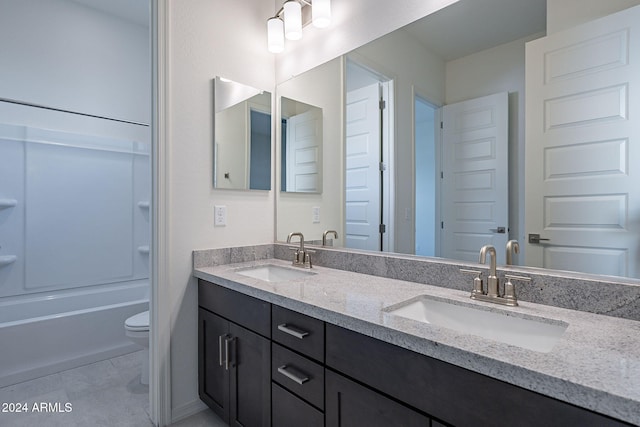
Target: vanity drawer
299, 332
298, 374
252, 313
291, 411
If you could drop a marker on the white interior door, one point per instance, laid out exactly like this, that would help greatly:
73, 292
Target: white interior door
304, 138
583, 147
362, 178
474, 187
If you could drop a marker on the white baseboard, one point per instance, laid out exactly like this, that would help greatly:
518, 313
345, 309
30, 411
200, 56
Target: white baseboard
184, 411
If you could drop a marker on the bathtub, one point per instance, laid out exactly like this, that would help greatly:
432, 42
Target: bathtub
47, 333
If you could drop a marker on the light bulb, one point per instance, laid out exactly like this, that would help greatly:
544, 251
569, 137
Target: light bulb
293, 20
275, 35
321, 13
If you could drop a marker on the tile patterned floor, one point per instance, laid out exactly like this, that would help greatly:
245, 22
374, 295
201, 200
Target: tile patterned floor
102, 394
106, 393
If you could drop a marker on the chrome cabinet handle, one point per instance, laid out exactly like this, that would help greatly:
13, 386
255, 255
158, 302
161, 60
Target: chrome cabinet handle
227, 361
499, 230
296, 378
298, 333
220, 338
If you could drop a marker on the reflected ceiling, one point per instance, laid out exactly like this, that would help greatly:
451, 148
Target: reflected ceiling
490, 23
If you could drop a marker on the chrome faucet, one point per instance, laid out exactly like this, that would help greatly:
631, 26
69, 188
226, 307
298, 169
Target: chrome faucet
324, 236
512, 247
493, 290
301, 258
492, 280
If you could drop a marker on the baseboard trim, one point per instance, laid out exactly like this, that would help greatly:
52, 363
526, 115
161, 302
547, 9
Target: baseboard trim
188, 409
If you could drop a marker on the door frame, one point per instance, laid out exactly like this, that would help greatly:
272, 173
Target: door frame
160, 300
387, 83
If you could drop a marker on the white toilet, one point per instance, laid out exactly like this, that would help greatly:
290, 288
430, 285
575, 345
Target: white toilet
137, 329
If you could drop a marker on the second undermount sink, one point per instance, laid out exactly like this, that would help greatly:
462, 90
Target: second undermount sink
273, 273
533, 333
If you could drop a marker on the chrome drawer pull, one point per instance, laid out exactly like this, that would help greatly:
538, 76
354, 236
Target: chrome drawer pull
298, 379
298, 333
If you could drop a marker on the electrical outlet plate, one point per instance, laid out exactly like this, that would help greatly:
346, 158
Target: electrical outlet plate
219, 216
315, 214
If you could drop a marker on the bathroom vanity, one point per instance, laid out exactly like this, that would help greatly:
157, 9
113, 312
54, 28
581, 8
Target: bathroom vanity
323, 346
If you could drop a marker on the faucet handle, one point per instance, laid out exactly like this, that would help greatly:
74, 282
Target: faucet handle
510, 289
477, 281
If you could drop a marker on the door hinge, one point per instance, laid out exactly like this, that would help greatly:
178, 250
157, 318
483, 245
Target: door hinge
383, 166
383, 228
383, 104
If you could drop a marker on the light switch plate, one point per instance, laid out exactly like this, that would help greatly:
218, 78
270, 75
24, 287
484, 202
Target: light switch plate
315, 214
219, 216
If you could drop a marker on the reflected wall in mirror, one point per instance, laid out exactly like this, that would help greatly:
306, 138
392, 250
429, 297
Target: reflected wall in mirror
313, 212
447, 58
242, 136
300, 147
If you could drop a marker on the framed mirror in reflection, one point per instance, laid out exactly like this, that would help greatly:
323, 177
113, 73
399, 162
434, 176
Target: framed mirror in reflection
554, 183
242, 136
300, 147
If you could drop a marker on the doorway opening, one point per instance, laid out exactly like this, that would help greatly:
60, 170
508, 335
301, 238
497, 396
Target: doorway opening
426, 123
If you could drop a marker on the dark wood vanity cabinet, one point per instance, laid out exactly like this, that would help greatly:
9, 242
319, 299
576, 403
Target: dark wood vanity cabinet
263, 365
234, 363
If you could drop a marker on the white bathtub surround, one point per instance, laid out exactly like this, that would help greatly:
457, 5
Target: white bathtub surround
74, 227
53, 332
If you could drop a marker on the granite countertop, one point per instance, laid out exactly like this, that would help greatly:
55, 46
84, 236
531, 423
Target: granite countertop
594, 365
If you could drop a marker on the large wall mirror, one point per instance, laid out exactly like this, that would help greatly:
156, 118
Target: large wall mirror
465, 62
242, 136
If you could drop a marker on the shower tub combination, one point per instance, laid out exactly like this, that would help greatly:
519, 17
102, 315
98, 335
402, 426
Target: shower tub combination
41, 335
74, 240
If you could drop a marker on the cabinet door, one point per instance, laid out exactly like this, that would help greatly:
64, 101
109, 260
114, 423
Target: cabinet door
213, 383
250, 356
349, 404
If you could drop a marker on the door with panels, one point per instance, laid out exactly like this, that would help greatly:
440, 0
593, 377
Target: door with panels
474, 186
583, 147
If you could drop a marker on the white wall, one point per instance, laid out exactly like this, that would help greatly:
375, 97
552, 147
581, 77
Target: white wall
563, 14
320, 87
61, 54
413, 69
207, 38
499, 69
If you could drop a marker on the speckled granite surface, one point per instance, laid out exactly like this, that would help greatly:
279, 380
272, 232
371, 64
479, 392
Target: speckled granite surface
595, 364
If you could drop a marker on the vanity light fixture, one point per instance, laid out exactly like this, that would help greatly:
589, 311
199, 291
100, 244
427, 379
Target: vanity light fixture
292, 20
288, 21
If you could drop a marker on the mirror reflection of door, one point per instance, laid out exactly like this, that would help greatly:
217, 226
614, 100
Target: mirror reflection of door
368, 197
583, 156
301, 147
474, 196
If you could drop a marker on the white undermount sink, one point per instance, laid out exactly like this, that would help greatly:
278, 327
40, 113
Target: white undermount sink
273, 273
533, 333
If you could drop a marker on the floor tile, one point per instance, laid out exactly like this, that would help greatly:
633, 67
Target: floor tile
106, 393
